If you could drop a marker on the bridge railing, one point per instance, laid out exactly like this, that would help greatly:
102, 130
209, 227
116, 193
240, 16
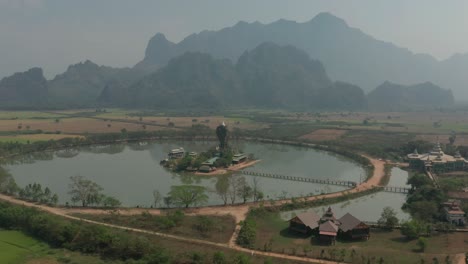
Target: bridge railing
300, 179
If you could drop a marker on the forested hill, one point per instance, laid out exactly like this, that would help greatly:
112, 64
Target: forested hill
193, 80
394, 97
269, 76
24, 90
347, 53
82, 83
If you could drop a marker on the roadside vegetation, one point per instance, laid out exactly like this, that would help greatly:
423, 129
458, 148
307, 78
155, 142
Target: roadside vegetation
212, 228
17, 247
113, 245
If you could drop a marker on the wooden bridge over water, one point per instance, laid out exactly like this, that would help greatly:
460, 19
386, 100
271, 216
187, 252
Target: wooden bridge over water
300, 179
395, 189
320, 181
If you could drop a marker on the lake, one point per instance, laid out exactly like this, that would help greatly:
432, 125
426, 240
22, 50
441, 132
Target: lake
131, 172
367, 208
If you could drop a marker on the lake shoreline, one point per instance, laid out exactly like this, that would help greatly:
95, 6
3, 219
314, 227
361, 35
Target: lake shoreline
232, 168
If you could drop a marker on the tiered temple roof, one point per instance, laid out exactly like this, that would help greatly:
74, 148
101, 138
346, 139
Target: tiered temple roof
328, 226
435, 156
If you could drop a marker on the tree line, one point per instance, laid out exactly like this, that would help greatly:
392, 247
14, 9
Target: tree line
229, 188
108, 242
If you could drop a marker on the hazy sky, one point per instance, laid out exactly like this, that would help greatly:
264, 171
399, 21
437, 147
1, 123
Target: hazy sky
55, 33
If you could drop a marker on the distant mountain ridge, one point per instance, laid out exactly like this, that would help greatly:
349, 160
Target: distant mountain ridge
82, 83
24, 89
347, 53
395, 97
270, 76
316, 65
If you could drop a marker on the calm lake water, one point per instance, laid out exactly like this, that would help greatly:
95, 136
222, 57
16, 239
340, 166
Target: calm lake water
367, 208
131, 172
399, 178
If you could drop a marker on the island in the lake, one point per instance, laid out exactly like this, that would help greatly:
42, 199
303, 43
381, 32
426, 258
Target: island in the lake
216, 160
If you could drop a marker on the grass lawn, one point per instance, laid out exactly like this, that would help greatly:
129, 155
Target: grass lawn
392, 247
212, 228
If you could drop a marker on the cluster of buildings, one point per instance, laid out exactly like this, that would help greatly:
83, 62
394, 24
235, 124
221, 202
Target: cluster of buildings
327, 227
208, 165
437, 161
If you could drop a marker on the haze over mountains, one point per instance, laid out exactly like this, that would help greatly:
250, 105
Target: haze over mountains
347, 53
283, 64
267, 76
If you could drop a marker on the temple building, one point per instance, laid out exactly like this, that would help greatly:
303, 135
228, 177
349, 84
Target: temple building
437, 161
304, 223
327, 228
453, 213
239, 158
176, 153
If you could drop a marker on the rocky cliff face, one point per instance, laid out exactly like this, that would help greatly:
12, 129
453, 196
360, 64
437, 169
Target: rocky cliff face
25, 89
347, 53
394, 97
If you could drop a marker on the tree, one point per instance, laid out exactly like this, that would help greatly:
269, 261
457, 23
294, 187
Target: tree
233, 188
256, 193
388, 218
84, 191
204, 224
222, 188
247, 234
412, 229
241, 259
184, 163
157, 198
219, 258
158, 257
54, 199
168, 201
7, 183
419, 180
187, 195
244, 190
260, 195
46, 196
177, 217
109, 201
422, 243
423, 210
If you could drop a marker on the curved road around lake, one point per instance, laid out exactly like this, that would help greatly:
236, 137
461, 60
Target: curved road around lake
239, 212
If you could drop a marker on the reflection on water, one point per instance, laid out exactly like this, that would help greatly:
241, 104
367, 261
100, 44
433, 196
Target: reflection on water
366, 208
131, 172
399, 178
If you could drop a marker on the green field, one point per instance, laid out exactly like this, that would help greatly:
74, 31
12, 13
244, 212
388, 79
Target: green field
18, 248
15, 247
